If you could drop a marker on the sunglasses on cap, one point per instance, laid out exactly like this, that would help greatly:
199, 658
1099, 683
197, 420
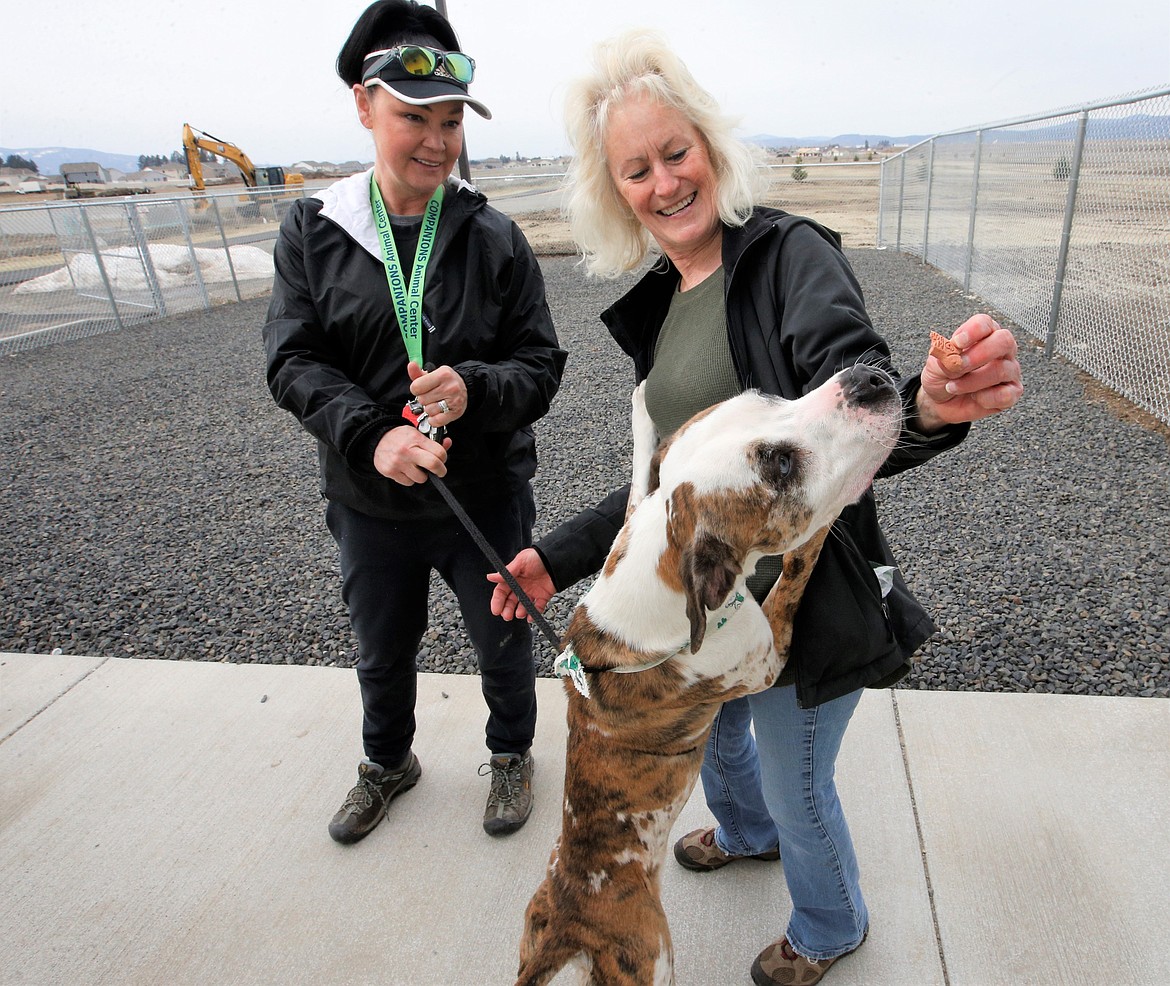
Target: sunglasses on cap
422, 62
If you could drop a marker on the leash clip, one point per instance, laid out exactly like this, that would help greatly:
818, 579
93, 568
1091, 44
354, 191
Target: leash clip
414, 413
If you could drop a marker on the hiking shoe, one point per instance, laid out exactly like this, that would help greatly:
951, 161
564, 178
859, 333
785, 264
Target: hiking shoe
699, 851
509, 802
365, 805
781, 965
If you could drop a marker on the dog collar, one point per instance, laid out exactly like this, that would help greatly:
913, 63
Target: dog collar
568, 664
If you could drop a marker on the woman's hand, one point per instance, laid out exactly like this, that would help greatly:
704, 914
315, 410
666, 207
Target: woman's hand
987, 382
442, 393
529, 571
407, 456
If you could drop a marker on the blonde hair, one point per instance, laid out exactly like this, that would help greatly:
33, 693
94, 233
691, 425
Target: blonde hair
640, 62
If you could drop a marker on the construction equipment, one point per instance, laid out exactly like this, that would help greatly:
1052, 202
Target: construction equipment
196, 140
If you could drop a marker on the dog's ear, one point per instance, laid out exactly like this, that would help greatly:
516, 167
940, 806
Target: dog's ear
709, 570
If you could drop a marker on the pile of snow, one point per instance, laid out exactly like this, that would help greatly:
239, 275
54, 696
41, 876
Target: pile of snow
173, 267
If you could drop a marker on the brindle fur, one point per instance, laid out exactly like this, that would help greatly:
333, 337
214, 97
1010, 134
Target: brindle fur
656, 727
635, 745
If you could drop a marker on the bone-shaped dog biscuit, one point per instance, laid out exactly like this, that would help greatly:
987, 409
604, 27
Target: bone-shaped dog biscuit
946, 352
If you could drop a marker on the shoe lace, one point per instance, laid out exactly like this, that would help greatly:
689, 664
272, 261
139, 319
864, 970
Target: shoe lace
505, 780
360, 797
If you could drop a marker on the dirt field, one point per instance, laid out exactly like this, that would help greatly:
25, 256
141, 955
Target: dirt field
843, 199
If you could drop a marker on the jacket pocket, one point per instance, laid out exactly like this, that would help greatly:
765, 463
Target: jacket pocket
843, 625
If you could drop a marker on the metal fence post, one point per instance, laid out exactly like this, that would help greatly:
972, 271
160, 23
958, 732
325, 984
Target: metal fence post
142, 245
926, 205
97, 256
974, 211
196, 271
1070, 204
226, 249
52, 217
901, 202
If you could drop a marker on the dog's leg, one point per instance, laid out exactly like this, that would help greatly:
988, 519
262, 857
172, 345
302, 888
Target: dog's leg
782, 602
645, 442
536, 919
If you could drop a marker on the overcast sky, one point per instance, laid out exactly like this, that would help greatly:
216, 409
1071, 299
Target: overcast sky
124, 77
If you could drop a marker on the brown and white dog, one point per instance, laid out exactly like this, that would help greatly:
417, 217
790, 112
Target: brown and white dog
753, 476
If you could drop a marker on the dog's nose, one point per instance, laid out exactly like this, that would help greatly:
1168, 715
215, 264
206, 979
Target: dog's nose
864, 384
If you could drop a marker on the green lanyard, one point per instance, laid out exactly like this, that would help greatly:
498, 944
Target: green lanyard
407, 298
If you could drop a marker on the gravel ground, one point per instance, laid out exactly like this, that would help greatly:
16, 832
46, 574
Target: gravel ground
160, 506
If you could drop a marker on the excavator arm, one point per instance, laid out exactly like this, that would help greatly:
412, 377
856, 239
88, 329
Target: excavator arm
195, 140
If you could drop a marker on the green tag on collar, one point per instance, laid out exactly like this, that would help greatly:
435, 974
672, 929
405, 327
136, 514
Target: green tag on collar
568, 665
407, 298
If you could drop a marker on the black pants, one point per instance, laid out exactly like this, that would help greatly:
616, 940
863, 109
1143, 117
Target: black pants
385, 570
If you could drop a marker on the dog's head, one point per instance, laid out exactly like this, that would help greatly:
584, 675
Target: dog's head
757, 475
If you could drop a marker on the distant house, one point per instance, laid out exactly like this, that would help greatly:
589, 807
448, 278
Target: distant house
12, 178
85, 171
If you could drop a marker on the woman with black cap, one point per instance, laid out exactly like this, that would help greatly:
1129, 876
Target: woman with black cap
400, 285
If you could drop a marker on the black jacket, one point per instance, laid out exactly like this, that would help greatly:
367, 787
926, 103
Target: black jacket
336, 358
795, 316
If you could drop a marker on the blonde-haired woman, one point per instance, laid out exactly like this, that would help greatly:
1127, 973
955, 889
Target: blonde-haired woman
744, 296
610, 235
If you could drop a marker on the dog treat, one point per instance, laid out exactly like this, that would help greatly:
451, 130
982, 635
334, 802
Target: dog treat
946, 352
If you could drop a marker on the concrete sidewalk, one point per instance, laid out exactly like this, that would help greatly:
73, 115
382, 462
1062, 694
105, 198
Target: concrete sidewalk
165, 822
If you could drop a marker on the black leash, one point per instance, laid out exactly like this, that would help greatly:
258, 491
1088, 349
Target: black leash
501, 568
414, 413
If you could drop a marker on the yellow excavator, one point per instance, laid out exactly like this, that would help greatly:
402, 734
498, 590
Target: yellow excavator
196, 140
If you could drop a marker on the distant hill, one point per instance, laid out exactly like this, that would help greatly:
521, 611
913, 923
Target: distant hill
1133, 127
771, 141
1136, 126
49, 159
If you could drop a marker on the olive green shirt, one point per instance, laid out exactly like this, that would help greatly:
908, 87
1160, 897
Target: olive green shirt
692, 360
693, 370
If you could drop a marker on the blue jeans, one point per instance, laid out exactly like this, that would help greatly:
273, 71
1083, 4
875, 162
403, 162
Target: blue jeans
778, 788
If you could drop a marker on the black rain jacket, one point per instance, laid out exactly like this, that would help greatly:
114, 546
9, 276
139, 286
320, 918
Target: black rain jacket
337, 361
795, 316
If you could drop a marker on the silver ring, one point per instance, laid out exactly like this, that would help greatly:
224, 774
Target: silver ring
444, 407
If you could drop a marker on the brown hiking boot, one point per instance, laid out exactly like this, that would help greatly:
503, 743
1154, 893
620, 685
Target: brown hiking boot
366, 804
509, 802
699, 851
781, 965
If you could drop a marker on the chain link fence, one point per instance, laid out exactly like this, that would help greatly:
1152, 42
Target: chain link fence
77, 268
1062, 222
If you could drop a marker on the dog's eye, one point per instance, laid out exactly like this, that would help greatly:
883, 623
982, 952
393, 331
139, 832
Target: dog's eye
777, 463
